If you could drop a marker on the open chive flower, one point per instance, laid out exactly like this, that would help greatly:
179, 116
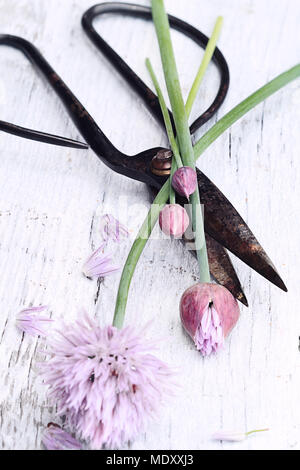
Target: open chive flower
31, 323
234, 436
112, 229
99, 264
208, 314
55, 438
105, 380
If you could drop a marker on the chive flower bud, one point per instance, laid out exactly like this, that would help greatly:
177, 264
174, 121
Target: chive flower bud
173, 220
184, 181
208, 314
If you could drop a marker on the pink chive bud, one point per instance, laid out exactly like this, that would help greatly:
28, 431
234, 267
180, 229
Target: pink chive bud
208, 313
173, 220
184, 181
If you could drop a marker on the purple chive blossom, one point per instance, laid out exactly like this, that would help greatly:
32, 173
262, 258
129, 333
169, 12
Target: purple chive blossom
106, 381
99, 265
34, 325
112, 229
209, 335
55, 438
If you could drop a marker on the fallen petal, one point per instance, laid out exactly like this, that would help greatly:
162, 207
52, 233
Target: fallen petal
55, 438
35, 325
99, 264
112, 229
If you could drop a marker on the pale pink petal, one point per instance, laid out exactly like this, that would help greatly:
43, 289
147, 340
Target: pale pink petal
55, 438
112, 229
206, 322
209, 334
99, 264
29, 322
229, 436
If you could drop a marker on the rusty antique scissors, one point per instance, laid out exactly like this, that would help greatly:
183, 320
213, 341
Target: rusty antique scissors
225, 229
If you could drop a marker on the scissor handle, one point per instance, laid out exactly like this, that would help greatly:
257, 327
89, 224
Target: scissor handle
132, 78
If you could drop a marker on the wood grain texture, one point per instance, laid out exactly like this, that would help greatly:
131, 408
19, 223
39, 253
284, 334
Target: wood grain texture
51, 201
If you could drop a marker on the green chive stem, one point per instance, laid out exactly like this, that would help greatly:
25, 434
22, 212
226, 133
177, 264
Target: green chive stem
256, 430
242, 108
165, 113
162, 27
209, 51
176, 162
135, 253
172, 192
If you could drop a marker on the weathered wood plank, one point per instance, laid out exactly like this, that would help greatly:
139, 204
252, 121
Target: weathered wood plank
51, 201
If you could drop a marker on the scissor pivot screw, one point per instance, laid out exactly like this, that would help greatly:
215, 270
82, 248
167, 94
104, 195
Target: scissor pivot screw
162, 162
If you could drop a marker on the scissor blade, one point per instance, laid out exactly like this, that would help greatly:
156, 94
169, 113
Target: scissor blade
41, 136
222, 270
226, 226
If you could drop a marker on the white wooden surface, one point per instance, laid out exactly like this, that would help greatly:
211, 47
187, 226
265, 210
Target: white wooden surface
51, 201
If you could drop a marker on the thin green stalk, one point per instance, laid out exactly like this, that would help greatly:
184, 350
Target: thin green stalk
172, 192
195, 198
256, 430
165, 113
241, 109
135, 253
172, 80
162, 27
210, 49
176, 163
230, 118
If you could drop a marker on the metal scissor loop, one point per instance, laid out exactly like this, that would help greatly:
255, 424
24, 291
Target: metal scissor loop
132, 78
